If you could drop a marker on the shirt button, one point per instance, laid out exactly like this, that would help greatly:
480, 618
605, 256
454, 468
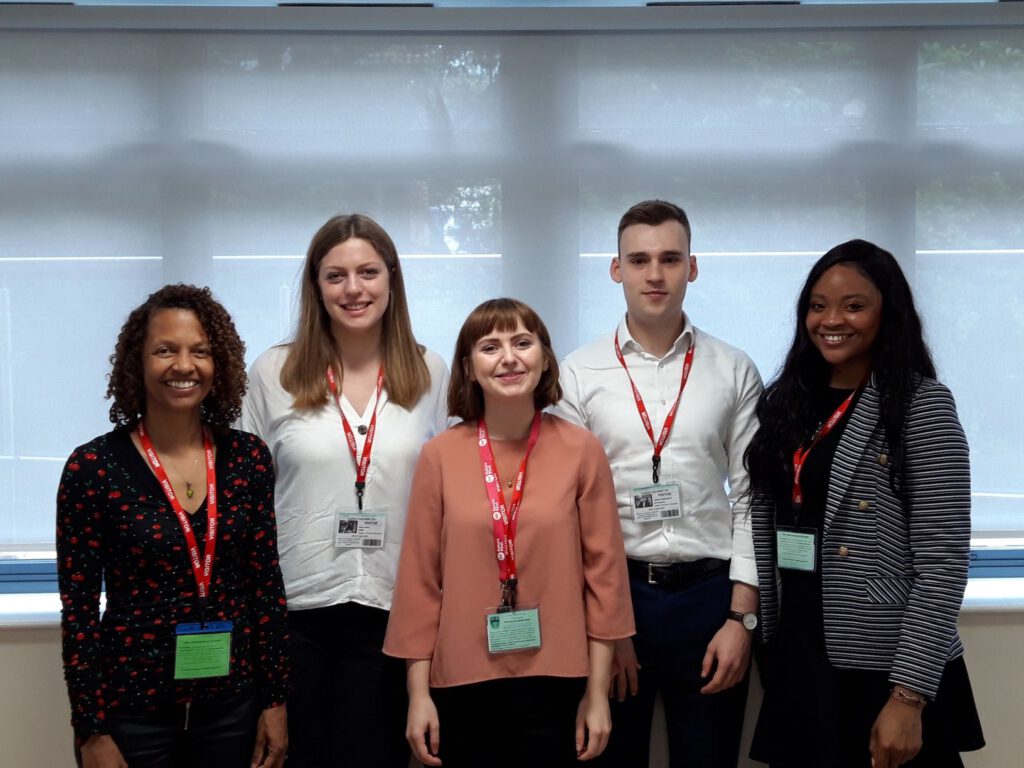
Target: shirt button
862, 505
662, 402
883, 459
843, 551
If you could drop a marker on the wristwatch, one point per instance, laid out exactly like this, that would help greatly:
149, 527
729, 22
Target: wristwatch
748, 620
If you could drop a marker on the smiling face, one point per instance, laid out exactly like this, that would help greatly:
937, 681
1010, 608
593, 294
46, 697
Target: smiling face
354, 284
843, 318
654, 266
507, 365
177, 362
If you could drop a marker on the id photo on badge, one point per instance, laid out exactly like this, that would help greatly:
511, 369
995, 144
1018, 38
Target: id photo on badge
360, 530
653, 503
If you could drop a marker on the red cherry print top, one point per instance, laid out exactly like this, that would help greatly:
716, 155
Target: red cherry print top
116, 530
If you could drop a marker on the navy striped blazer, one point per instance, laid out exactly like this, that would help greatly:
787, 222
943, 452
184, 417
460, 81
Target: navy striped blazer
893, 572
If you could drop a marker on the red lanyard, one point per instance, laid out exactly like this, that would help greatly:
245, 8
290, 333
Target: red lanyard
362, 461
201, 569
670, 419
800, 454
505, 517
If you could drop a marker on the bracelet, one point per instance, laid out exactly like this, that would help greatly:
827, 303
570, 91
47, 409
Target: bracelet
900, 695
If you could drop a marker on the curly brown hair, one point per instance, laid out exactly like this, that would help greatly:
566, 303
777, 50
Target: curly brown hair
224, 403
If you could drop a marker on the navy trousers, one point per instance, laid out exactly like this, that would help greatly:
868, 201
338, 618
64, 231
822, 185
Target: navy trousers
673, 632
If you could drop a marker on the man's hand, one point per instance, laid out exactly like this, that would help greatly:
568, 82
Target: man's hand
624, 670
728, 655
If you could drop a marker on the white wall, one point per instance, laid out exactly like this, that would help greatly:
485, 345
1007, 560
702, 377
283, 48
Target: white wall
34, 730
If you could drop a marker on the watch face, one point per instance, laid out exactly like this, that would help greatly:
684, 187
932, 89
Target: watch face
750, 620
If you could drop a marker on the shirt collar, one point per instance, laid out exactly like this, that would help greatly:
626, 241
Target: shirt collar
682, 342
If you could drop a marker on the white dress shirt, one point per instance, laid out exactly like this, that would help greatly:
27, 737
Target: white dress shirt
316, 478
715, 422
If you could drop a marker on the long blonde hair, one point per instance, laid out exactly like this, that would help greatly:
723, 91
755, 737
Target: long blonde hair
406, 376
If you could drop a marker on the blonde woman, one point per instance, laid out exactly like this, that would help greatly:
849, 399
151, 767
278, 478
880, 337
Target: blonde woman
344, 409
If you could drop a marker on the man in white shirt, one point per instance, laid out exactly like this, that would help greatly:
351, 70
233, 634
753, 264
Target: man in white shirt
675, 409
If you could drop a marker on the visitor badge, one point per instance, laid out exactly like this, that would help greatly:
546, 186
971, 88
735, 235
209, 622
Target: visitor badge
797, 548
652, 503
202, 650
355, 529
517, 630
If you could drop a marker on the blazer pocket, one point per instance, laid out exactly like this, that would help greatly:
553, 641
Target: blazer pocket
889, 590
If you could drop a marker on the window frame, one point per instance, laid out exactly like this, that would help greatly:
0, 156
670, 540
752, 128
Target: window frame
988, 560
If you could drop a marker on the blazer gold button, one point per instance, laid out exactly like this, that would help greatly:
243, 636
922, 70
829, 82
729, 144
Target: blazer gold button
862, 505
883, 459
843, 551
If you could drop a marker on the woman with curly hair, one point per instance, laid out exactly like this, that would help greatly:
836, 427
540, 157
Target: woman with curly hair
861, 517
345, 408
172, 513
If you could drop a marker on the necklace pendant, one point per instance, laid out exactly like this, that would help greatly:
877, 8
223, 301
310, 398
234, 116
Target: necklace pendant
189, 490
509, 483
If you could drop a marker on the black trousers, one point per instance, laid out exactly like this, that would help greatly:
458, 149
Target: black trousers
220, 734
509, 723
348, 704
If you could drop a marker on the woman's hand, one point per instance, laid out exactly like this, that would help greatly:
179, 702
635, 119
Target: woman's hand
593, 716
593, 725
625, 670
423, 730
100, 751
896, 735
271, 738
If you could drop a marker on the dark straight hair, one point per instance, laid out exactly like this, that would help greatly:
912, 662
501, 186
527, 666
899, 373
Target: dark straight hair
899, 359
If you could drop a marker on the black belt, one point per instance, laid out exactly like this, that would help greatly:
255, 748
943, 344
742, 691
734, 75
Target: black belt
675, 576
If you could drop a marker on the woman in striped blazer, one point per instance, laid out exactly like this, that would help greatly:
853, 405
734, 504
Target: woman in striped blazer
861, 520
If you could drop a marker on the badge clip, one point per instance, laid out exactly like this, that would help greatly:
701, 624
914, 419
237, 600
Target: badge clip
508, 595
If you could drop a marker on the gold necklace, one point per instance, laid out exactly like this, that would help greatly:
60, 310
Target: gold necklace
189, 490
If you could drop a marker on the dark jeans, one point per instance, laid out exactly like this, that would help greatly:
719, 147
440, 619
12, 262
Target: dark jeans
348, 706
509, 723
220, 734
673, 631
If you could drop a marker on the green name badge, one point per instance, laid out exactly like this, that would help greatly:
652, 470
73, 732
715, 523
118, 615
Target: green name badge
513, 630
202, 650
797, 548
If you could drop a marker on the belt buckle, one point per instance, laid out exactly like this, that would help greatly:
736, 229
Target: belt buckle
650, 574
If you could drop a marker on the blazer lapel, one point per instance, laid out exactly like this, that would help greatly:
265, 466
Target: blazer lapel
852, 445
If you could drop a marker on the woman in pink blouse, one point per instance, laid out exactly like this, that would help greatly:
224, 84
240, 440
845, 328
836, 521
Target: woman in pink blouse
512, 580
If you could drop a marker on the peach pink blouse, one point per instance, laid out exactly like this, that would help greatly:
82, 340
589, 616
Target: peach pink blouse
569, 555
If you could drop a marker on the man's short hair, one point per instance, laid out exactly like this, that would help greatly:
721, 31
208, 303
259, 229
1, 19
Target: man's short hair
653, 213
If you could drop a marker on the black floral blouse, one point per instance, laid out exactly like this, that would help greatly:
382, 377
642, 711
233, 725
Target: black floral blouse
115, 526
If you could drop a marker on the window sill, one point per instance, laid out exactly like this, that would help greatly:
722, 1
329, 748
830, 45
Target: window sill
28, 611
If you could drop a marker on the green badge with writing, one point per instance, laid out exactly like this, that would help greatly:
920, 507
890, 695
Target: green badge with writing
513, 630
202, 650
797, 548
